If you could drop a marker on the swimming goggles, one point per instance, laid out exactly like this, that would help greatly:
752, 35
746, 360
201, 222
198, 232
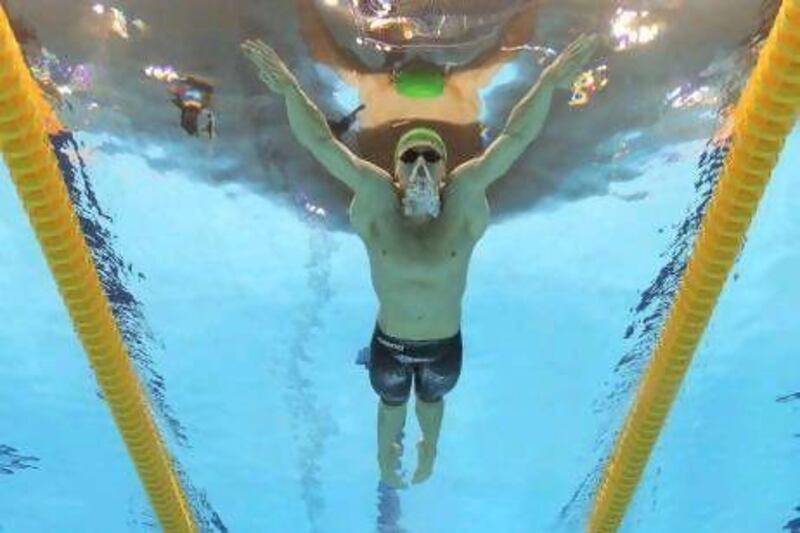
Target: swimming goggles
411, 155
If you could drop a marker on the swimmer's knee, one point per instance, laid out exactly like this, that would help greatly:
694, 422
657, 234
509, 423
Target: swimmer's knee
428, 399
393, 398
432, 395
394, 402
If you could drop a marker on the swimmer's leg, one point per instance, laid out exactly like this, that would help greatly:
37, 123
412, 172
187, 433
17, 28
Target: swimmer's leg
432, 381
392, 381
391, 419
429, 416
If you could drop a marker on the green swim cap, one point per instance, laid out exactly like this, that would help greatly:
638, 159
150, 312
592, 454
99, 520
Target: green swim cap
419, 136
419, 83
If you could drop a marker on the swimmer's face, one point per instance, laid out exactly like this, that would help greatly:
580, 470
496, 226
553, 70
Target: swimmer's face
418, 157
420, 172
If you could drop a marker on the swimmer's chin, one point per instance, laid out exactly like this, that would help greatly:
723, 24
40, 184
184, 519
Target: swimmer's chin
419, 219
420, 222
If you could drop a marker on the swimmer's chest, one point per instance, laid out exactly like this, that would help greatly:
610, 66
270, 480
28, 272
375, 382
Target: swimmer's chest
391, 241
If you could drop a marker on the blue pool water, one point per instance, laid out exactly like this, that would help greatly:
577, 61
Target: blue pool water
245, 314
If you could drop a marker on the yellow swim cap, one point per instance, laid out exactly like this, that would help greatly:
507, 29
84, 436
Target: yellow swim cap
419, 136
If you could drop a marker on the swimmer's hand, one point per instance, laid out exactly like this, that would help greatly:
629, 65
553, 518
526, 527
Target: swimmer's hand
566, 68
271, 68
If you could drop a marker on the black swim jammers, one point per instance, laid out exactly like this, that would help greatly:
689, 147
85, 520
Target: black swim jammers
434, 364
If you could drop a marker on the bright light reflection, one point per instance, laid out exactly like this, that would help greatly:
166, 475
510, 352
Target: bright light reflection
164, 73
587, 85
119, 23
630, 29
687, 96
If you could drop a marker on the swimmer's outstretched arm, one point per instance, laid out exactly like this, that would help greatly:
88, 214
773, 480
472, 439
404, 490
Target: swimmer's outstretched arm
526, 119
309, 124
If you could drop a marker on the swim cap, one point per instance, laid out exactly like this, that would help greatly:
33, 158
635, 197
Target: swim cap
419, 136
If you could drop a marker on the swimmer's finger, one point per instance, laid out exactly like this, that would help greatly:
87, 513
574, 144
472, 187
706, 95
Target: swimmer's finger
255, 44
248, 43
269, 61
572, 63
590, 45
256, 52
276, 79
252, 48
572, 56
264, 64
580, 59
583, 43
583, 54
268, 52
254, 55
575, 52
576, 43
260, 50
593, 44
570, 73
586, 43
584, 59
570, 50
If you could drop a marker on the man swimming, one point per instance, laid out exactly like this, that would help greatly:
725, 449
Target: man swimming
419, 228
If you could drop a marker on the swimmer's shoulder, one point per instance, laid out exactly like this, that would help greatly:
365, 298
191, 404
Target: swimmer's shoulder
376, 198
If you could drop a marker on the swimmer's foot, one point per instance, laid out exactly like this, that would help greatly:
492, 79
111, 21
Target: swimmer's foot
426, 455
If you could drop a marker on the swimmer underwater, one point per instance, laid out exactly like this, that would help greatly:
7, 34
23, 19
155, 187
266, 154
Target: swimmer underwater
419, 227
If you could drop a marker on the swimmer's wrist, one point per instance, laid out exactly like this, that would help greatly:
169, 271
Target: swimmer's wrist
292, 90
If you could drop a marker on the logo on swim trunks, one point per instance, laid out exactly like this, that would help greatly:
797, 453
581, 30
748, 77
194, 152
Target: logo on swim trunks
389, 344
411, 360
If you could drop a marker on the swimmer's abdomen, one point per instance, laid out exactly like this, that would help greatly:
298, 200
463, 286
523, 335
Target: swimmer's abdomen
419, 299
